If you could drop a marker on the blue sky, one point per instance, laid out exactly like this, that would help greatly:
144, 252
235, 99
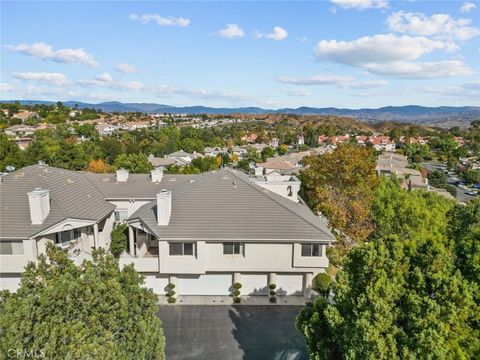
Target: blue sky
342, 53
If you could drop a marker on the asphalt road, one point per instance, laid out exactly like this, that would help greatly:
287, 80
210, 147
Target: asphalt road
206, 332
461, 196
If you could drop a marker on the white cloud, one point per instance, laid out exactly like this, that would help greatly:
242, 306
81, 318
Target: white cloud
231, 31
232, 97
424, 70
161, 21
339, 81
106, 81
468, 90
42, 77
317, 80
437, 25
382, 48
104, 77
467, 7
369, 84
125, 68
392, 55
4, 87
298, 92
361, 4
277, 34
45, 52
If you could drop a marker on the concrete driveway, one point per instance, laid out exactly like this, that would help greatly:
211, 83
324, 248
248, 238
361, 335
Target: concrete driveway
206, 332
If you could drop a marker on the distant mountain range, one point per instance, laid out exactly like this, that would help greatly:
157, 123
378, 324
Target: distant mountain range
408, 113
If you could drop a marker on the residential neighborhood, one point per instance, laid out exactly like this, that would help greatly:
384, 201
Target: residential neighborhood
240, 180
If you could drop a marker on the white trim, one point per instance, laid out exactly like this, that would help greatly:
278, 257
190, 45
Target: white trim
57, 227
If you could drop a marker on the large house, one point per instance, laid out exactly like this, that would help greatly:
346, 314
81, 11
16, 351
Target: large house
202, 233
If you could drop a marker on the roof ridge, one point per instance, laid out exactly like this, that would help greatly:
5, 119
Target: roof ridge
269, 194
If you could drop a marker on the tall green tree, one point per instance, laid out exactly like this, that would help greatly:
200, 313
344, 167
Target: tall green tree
339, 185
92, 311
135, 163
400, 295
464, 231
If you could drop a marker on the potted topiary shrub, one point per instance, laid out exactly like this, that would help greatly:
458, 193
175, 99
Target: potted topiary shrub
170, 293
237, 286
322, 283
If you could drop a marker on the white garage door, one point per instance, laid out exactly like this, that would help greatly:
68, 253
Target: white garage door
208, 284
10, 282
289, 285
254, 284
156, 283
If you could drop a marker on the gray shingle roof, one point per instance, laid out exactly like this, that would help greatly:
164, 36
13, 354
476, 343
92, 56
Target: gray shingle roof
225, 205
138, 186
72, 195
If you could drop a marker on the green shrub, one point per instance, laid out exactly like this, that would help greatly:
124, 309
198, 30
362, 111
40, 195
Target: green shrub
170, 293
273, 299
170, 286
272, 292
119, 237
321, 283
237, 286
236, 300
451, 189
272, 286
236, 293
171, 300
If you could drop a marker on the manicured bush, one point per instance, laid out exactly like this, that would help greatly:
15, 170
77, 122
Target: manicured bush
171, 300
237, 286
170, 293
272, 286
236, 300
170, 286
272, 292
273, 299
321, 283
236, 293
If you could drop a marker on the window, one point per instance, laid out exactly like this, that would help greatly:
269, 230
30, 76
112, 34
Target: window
311, 249
63, 238
181, 249
121, 215
11, 247
232, 248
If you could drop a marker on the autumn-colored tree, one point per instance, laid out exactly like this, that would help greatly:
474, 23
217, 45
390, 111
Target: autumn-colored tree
339, 185
98, 166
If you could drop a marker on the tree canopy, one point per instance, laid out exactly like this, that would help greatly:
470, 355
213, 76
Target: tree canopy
92, 311
339, 185
400, 295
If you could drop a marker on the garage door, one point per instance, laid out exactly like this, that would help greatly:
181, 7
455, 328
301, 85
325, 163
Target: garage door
208, 284
156, 283
289, 284
254, 284
10, 282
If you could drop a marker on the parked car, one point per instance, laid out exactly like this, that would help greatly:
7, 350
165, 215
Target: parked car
471, 192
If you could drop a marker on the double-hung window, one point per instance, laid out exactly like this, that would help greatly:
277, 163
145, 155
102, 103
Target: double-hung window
11, 247
121, 215
182, 249
311, 249
232, 248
